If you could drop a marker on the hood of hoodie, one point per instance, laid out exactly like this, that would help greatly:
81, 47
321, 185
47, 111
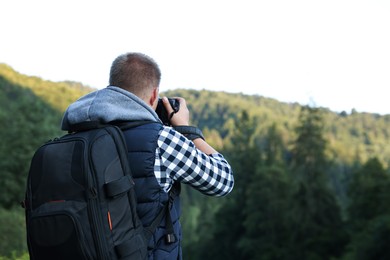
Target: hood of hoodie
106, 105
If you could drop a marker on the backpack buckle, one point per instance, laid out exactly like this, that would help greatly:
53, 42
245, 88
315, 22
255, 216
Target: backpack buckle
170, 238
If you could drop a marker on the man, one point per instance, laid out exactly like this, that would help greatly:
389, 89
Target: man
159, 155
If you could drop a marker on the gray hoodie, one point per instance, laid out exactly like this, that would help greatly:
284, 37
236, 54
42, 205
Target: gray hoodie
106, 105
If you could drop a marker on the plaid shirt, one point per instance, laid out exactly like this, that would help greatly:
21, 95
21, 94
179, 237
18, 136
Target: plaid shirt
177, 159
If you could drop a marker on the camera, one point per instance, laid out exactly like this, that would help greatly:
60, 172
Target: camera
162, 112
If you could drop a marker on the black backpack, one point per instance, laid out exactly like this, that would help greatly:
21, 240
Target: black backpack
80, 202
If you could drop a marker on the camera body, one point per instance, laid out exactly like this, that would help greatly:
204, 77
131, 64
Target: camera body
162, 112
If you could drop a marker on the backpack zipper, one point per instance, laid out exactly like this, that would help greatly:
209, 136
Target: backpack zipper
94, 214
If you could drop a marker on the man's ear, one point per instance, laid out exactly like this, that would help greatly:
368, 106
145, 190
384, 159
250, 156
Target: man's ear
153, 97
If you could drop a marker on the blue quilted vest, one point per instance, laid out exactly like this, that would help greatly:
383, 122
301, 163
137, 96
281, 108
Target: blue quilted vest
142, 143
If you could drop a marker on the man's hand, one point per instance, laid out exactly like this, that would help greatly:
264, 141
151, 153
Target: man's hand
182, 117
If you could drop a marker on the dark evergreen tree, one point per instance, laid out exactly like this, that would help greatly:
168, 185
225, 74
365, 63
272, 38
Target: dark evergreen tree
318, 227
274, 148
369, 194
229, 227
267, 224
268, 202
369, 212
309, 159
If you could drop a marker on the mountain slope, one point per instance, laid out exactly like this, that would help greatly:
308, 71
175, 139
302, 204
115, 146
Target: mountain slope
58, 94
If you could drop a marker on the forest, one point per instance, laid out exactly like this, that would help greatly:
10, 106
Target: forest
310, 183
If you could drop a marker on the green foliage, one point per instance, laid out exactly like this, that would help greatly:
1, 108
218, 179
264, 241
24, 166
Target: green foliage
267, 203
199, 228
310, 145
274, 147
369, 212
266, 219
24, 256
372, 242
12, 232
370, 184
58, 94
318, 232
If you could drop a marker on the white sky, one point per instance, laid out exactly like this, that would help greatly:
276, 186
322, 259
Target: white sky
333, 53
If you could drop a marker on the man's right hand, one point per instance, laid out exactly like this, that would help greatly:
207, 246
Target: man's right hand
182, 117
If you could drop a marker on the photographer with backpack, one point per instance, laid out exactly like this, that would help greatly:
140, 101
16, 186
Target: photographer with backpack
160, 156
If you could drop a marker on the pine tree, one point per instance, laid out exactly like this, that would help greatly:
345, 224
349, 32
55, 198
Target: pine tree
369, 212
228, 228
368, 193
268, 202
318, 232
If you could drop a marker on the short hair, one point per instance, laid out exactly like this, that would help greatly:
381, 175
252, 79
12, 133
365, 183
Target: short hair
135, 72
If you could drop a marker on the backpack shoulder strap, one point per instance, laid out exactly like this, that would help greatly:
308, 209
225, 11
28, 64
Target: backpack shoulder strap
127, 125
88, 125
84, 126
166, 210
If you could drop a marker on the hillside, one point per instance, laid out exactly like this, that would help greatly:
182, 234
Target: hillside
58, 94
355, 136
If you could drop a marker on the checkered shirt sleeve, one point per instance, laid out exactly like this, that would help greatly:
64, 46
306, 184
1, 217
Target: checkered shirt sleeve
177, 159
